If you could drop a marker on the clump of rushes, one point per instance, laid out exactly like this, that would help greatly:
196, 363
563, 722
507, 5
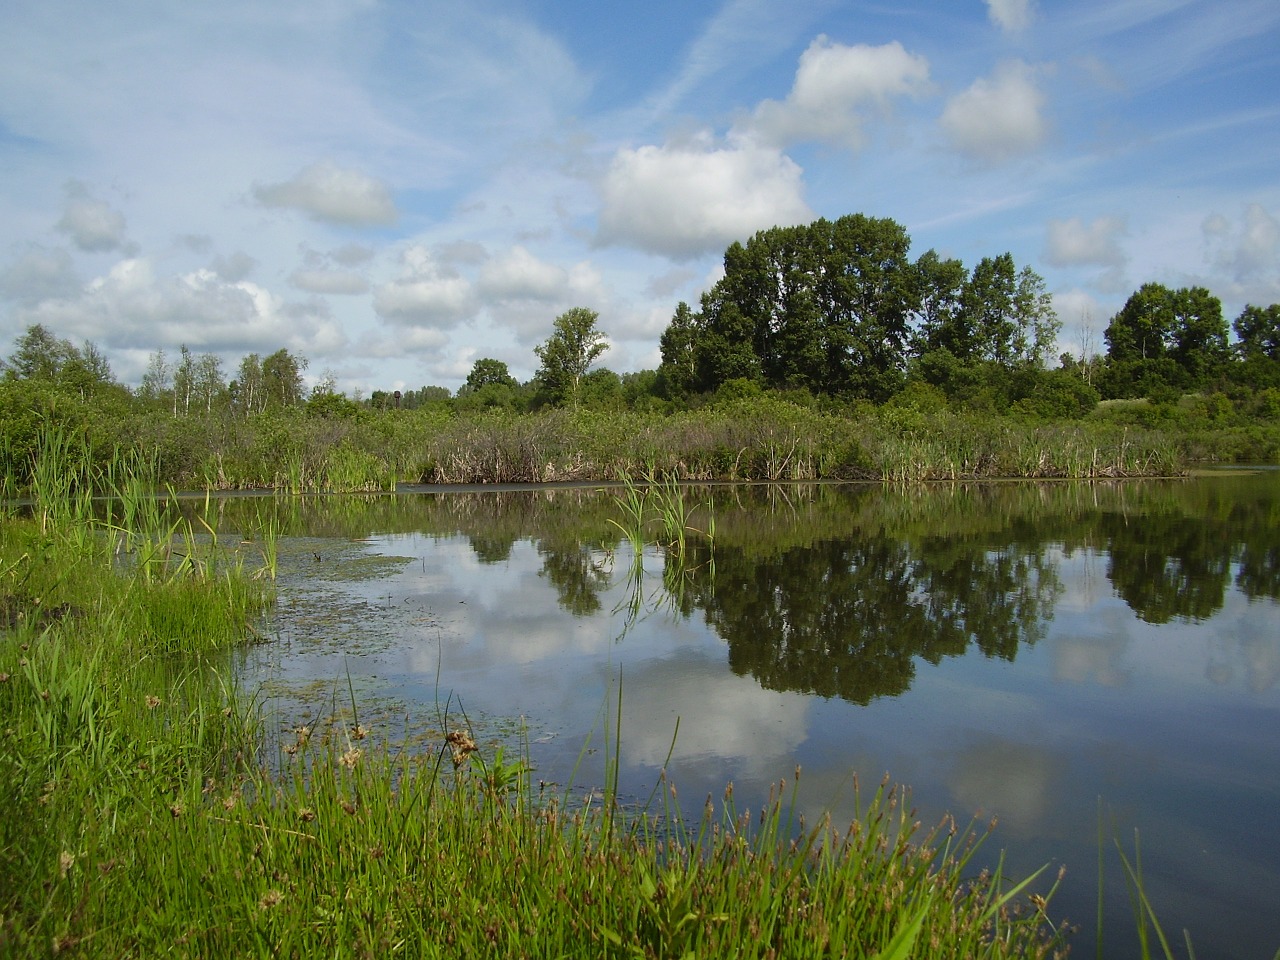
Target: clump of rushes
658, 502
442, 855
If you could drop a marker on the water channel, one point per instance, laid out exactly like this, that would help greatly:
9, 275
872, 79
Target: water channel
1057, 656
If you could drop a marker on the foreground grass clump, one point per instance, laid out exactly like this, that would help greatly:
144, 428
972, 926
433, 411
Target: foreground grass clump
352, 854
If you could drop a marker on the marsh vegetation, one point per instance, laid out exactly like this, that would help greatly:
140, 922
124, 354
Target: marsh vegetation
144, 814
161, 797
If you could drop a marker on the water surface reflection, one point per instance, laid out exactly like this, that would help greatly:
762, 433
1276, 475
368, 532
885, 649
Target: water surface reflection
1019, 650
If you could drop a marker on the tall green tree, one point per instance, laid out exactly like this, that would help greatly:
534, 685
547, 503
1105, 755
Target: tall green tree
1138, 340
678, 373
1035, 319
209, 384
1164, 340
487, 372
247, 390
488, 385
866, 296
941, 323
1200, 344
988, 301
157, 382
1258, 347
574, 345
184, 382
40, 355
826, 307
1258, 330
282, 379
724, 349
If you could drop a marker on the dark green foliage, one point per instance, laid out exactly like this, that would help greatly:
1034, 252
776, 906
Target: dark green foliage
41, 355
487, 372
1167, 567
849, 620
490, 385
838, 309
1057, 395
1162, 338
500, 396
824, 307
960, 380
679, 370
1259, 331
1258, 349
333, 406
602, 390
49, 383
942, 323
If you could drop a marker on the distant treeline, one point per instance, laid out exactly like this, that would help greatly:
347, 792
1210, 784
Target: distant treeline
823, 352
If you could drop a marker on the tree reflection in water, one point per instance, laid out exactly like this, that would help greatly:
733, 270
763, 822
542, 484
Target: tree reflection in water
838, 589
847, 618
846, 614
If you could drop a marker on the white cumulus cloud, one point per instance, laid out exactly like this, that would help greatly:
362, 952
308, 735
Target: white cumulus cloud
1072, 242
39, 274
1011, 16
685, 200
997, 117
131, 307
1250, 250
234, 267
834, 85
426, 293
519, 275
342, 282
93, 225
332, 194
1244, 254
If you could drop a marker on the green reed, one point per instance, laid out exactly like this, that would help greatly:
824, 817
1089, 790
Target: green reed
446, 855
658, 505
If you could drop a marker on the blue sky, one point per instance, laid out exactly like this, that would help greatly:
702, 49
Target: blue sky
396, 189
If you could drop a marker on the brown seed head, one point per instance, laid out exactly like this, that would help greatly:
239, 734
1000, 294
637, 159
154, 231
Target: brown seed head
350, 758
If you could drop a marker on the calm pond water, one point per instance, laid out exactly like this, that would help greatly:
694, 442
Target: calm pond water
1034, 652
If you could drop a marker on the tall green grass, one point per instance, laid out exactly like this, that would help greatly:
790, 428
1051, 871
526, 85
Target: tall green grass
656, 510
762, 438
